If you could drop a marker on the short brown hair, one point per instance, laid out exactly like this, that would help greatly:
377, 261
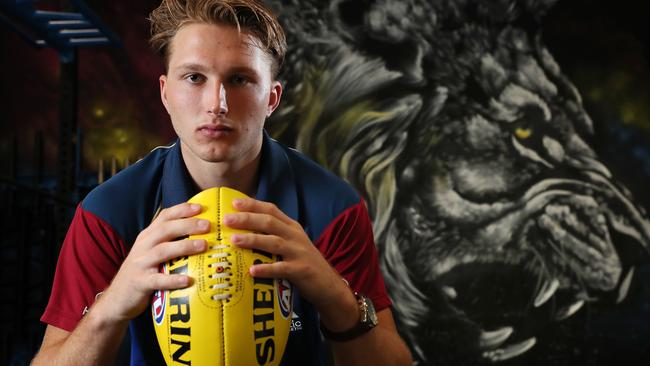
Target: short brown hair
250, 16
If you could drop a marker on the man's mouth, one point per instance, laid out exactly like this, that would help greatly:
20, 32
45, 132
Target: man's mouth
215, 130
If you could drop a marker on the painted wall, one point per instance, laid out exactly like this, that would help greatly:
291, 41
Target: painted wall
503, 234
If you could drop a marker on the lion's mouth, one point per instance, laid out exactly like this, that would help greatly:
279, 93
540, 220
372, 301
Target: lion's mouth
500, 299
512, 297
566, 246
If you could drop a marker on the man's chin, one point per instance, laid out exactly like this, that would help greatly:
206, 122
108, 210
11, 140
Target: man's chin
216, 157
208, 154
216, 152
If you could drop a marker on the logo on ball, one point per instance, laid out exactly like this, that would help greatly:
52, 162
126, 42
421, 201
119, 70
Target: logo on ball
158, 302
285, 297
158, 306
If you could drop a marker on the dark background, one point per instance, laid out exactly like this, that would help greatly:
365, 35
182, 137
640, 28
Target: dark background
602, 46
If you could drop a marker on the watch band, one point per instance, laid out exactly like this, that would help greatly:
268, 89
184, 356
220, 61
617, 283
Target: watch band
367, 321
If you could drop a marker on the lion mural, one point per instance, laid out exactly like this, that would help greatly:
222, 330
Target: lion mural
492, 213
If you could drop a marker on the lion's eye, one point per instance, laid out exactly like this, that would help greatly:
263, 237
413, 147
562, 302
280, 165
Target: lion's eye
523, 133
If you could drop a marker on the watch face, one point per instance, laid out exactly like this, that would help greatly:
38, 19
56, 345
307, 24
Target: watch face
373, 317
372, 314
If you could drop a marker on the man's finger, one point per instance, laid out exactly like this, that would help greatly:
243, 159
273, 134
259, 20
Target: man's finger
170, 250
161, 281
170, 230
253, 205
182, 210
267, 243
271, 270
259, 222
182, 227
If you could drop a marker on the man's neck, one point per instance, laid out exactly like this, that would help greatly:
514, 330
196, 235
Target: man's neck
240, 175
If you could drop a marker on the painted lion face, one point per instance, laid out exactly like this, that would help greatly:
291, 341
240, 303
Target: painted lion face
492, 214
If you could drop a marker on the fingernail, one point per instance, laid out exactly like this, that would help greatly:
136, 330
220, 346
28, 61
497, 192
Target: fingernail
204, 224
195, 207
229, 219
237, 202
199, 244
184, 280
235, 238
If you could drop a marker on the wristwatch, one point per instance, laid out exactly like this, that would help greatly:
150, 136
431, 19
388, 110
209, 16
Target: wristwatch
367, 321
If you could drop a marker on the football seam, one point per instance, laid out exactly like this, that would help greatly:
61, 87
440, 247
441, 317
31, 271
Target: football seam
223, 336
221, 303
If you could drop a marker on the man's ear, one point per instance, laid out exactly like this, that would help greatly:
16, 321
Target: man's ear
274, 97
163, 91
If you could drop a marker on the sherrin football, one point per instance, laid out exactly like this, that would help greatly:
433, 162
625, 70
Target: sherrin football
226, 317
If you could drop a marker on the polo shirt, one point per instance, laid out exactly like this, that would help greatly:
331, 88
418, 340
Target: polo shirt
107, 222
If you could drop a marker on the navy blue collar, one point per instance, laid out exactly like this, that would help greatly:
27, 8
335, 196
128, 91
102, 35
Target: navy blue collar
276, 182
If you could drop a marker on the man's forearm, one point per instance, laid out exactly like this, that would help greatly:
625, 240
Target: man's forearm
95, 341
380, 346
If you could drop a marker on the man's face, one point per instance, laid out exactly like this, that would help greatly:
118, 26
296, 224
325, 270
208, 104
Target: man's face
218, 91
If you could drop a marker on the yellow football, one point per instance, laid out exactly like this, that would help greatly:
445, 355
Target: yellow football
226, 317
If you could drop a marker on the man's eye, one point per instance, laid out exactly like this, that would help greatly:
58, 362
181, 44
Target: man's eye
194, 78
239, 79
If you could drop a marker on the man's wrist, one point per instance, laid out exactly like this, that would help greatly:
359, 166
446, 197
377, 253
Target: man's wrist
368, 320
341, 314
102, 314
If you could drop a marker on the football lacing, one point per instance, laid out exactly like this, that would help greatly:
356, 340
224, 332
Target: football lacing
223, 273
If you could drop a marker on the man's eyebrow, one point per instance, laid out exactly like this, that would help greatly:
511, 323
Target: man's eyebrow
192, 67
243, 70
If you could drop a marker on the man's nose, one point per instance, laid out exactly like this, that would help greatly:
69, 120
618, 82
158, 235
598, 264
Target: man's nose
218, 101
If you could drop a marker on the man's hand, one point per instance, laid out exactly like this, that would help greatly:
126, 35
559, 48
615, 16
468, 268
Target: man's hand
131, 289
97, 337
302, 264
317, 281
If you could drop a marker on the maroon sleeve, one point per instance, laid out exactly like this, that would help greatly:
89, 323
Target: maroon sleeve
348, 244
90, 256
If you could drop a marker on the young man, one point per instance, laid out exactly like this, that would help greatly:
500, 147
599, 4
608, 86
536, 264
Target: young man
222, 59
